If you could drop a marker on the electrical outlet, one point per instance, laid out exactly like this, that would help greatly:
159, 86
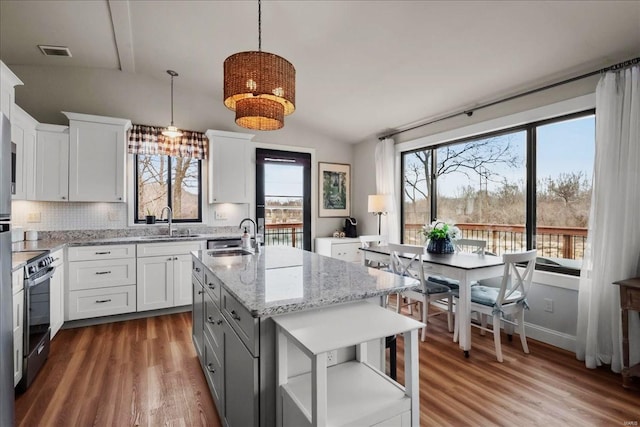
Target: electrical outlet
33, 217
332, 357
220, 215
113, 215
548, 305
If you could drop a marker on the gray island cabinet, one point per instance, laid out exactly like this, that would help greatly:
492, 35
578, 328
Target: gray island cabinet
235, 300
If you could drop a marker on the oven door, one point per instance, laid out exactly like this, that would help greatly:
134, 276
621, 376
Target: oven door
38, 309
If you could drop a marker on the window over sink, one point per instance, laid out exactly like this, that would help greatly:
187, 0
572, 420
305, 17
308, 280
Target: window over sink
161, 180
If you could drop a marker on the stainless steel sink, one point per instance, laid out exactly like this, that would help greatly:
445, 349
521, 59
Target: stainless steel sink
229, 252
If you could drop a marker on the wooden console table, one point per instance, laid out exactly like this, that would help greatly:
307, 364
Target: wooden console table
629, 300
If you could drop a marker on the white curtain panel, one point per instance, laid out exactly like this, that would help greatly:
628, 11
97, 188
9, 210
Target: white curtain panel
613, 244
385, 184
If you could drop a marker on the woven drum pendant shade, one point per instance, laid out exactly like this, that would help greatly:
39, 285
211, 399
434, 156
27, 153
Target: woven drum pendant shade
253, 82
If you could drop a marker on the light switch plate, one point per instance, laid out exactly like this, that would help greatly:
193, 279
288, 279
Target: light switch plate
220, 215
33, 217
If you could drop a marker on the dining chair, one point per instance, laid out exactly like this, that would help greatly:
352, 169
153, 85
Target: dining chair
461, 245
505, 303
369, 240
407, 260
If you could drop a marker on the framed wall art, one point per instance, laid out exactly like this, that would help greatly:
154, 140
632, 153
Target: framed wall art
335, 189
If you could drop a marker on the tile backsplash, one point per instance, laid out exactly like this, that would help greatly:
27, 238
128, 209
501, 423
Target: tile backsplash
68, 216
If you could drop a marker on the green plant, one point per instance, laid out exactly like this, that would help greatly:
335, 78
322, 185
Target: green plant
440, 230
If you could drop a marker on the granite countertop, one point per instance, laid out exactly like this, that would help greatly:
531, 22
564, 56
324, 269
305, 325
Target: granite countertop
283, 279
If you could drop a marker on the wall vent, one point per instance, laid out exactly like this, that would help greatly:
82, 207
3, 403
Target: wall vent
54, 50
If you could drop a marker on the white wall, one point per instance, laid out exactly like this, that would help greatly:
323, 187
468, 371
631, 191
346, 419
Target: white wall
49, 90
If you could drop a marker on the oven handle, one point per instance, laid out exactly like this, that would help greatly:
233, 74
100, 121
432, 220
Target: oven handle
43, 278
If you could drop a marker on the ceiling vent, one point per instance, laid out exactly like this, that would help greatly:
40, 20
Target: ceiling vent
55, 50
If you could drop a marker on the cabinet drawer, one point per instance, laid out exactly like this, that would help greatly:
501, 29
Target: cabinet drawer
101, 274
632, 299
349, 252
213, 286
197, 269
173, 248
92, 253
58, 258
102, 302
241, 321
213, 321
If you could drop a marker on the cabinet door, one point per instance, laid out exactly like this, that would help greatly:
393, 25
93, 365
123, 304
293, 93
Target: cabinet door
23, 134
182, 289
56, 300
52, 166
155, 283
18, 331
97, 156
231, 172
197, 317
240, 382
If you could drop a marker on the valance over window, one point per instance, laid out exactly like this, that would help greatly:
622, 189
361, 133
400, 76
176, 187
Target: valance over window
150, 140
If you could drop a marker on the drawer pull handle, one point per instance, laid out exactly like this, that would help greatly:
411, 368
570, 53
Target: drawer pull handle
212, 286
103, 272
210, 320
234, 315
210, 368
100, 301
219, 322
103, 253
200, 292
197, 269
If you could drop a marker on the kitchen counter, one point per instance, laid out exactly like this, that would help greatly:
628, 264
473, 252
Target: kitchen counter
282, 280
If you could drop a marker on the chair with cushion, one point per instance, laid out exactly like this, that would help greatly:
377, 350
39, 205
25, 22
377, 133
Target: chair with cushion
461, 245
407, 260
507, 302
373, 240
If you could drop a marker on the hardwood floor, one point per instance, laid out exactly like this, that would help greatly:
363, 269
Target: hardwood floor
145, 372
134, 373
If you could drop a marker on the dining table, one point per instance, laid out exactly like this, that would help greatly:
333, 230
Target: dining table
466, 268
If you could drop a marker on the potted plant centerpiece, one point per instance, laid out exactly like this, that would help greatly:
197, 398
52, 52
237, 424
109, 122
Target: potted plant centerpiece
439, 236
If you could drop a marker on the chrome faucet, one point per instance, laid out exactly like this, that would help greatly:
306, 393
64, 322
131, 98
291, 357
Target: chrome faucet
256, 245
169, 218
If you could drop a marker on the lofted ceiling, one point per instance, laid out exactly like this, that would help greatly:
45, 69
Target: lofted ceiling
363, 67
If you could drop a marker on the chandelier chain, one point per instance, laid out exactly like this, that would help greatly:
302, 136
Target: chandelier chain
171, 99
259, 26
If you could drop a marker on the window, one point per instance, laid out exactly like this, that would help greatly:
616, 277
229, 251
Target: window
526, 187
168, 181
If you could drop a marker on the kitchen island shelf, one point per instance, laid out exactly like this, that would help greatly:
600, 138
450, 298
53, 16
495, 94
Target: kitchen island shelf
350, 393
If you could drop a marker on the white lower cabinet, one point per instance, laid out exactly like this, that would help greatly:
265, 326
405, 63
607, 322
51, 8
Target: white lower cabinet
164, 274
18, 326
102, 281
345, 249
56, 289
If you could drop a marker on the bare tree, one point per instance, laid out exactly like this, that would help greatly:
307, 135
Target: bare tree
568, 186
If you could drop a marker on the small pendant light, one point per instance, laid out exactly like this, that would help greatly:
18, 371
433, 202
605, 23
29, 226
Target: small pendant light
172, 131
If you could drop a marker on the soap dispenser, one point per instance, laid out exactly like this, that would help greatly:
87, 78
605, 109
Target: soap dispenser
246, 239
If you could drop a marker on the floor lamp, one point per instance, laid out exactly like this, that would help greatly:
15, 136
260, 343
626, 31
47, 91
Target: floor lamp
379, 204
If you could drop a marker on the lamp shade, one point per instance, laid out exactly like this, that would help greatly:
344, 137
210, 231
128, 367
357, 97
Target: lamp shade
380, 203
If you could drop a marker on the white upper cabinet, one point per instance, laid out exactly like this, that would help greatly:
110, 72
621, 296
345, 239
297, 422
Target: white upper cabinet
23, 134
52, 163
97, 158
230, 168
8, 81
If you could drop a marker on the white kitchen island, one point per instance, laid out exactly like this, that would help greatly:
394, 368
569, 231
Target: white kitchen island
235, 300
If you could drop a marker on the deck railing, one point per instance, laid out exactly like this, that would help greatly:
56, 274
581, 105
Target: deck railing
551, 242
286, 234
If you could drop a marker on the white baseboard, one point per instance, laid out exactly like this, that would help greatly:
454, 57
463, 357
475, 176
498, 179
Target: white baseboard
551, 337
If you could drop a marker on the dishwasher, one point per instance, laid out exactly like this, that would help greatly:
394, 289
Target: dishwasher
225, 243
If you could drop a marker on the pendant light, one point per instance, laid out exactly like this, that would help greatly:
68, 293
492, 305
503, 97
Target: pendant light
259, 86
172, 131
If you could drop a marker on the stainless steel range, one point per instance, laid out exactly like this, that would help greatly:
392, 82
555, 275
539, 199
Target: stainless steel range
37, 321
